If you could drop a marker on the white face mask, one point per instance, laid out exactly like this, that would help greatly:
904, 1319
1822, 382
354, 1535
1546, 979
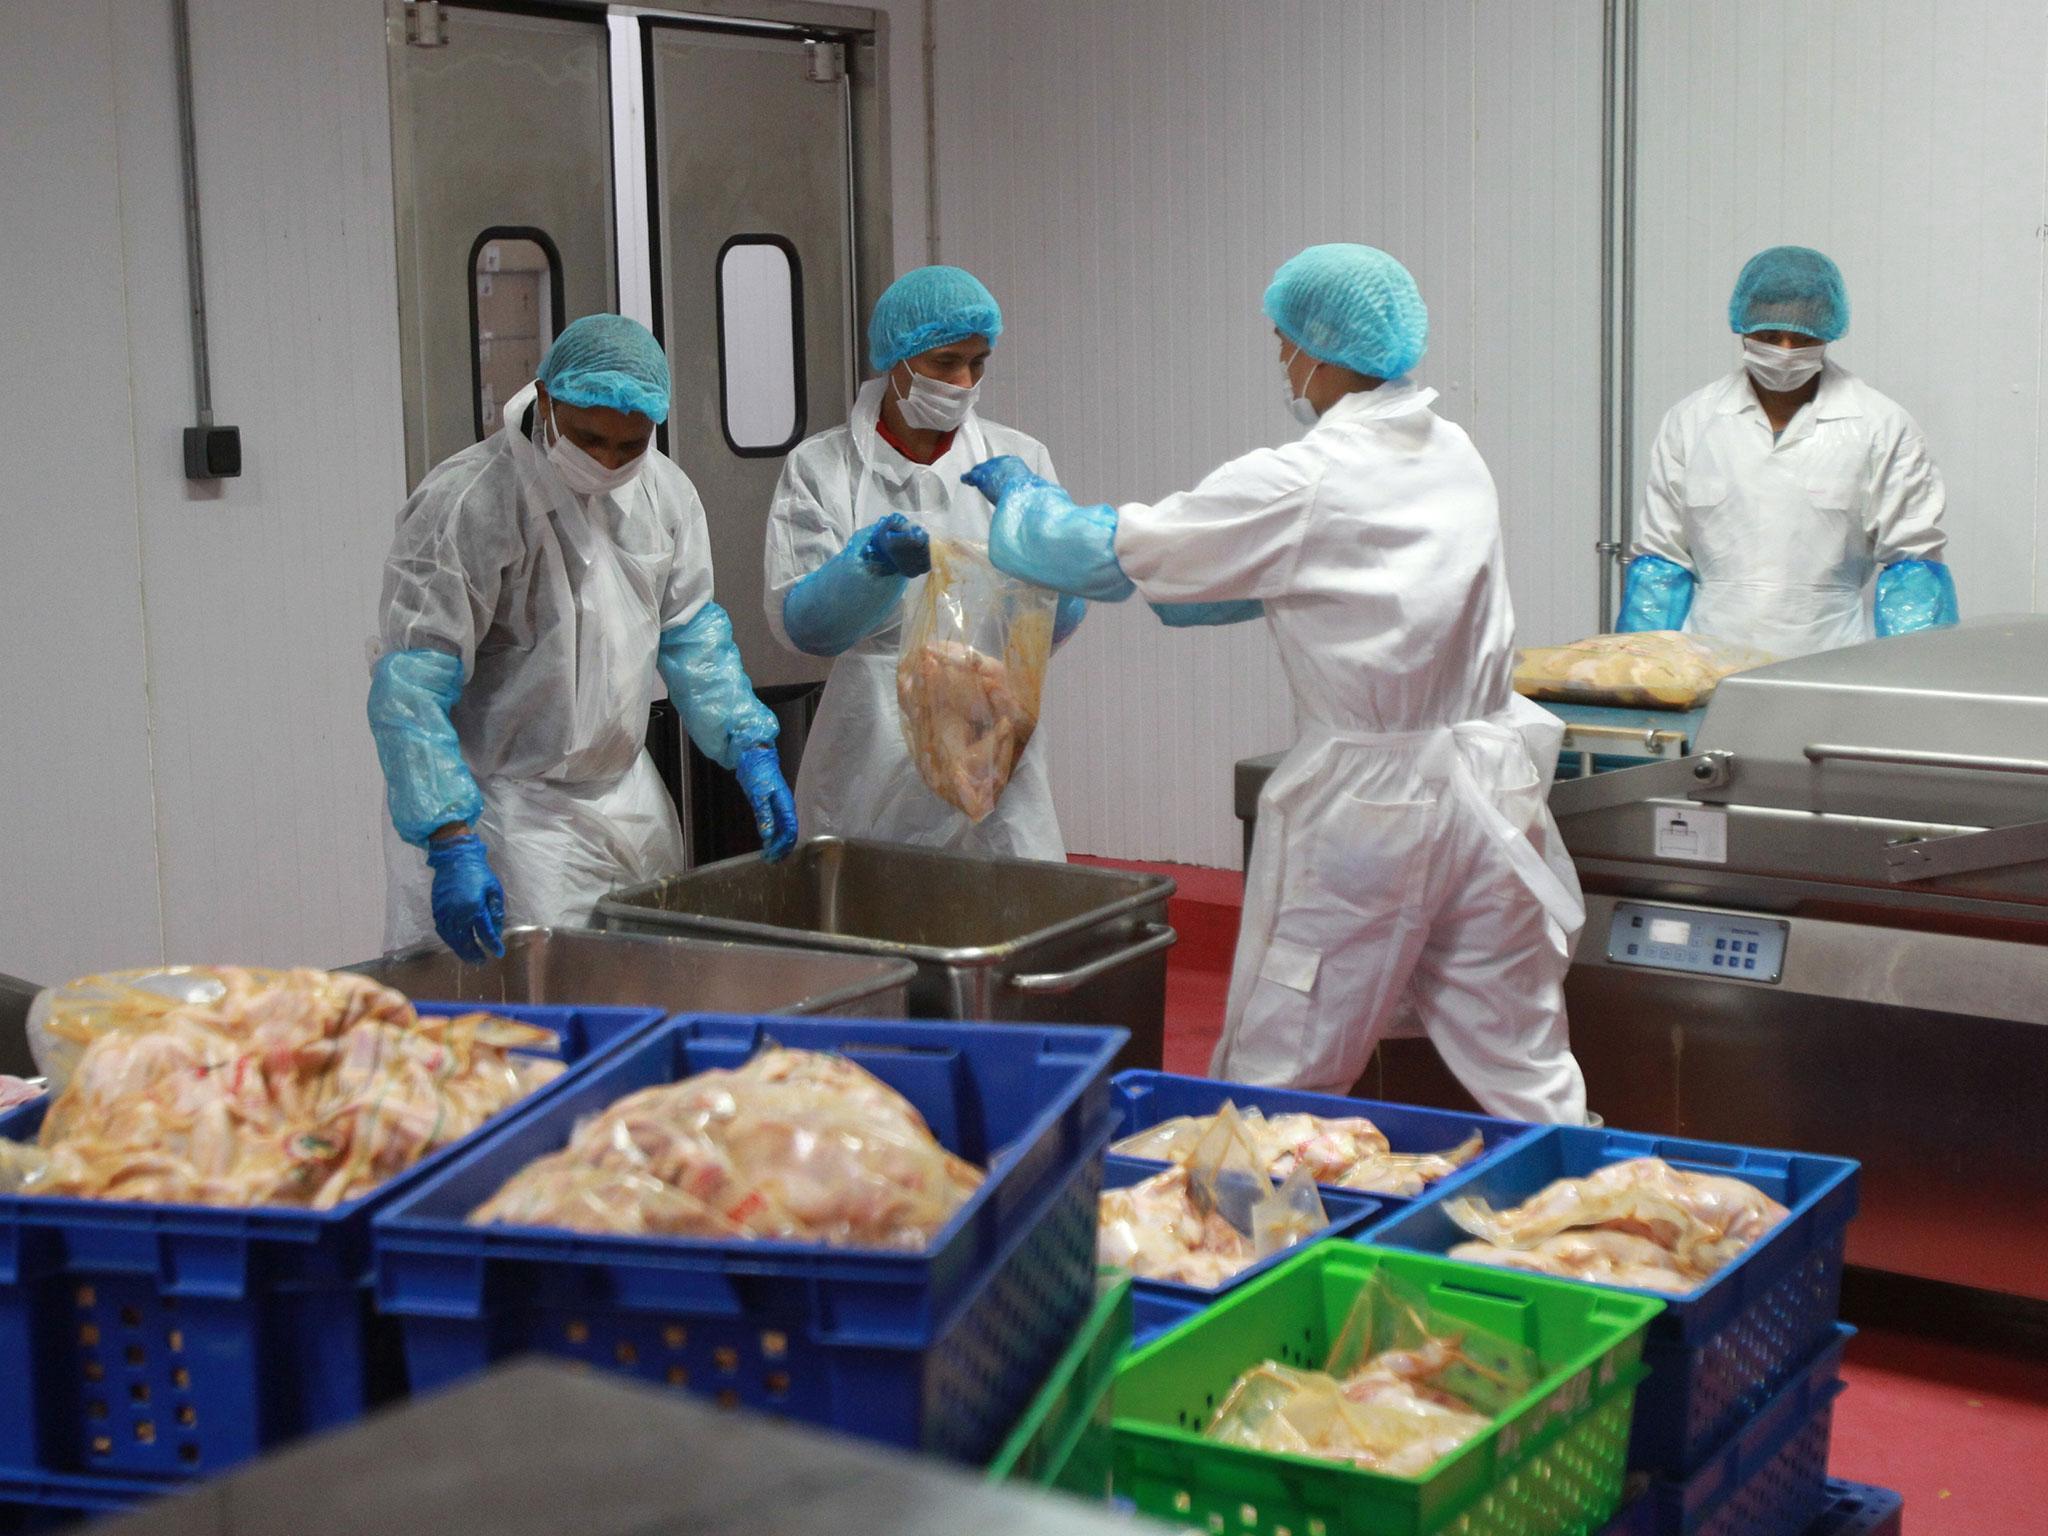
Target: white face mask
1300, 407
584, 475
1781, 369
934, 405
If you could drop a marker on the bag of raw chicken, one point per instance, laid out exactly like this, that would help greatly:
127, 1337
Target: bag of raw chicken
970, 674
1652, 669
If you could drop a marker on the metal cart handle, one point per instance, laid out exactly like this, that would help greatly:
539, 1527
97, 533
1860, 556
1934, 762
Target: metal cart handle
1821, 751
1158, 937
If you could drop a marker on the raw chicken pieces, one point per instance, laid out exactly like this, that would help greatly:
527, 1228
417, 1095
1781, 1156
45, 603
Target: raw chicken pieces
965, 723
15, 1092
1652, 669
1639, 1222
970, 676
796, 1145
1153, 1229
1351, 1152
296, 1088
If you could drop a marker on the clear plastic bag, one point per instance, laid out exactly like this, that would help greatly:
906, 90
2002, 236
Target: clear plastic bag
1652, 669
232, 1087
970, 675
1403, 1387
795, 1145
1347, 1151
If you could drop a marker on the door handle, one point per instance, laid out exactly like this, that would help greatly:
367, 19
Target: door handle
1822, 751
1157, 937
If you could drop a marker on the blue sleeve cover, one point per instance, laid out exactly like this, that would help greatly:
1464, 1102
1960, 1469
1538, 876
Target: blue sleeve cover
848, 597
427, 785
1041, 534
1198, 615
1067, 618
1915, 594
709, 688
1657, 594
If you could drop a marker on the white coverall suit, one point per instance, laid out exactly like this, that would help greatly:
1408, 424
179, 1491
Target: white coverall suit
1405, 852
1785, 537
857, 778
556, 604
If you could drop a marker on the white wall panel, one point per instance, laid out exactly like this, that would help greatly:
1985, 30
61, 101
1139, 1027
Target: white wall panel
78, 868
262, 590
1909, 140
1126, 175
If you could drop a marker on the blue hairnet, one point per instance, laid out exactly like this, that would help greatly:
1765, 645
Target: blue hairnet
1353, 305
928, 308
610, 361
1790, 288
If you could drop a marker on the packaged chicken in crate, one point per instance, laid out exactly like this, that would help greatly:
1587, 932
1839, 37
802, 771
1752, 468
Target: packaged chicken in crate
970, 675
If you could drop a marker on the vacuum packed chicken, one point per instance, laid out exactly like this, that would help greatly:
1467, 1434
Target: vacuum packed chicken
797, 1145
1390, 1399
970, 677
1349, 1152
1651, 669
1640, 1222
298, 1088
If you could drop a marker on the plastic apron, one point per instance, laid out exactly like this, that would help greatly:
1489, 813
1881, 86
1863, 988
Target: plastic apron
857, 777
596, 816
1360, 909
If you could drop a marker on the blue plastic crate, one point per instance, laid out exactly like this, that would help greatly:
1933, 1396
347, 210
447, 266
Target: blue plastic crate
1770, 1478
1719, 1352
1146, 1098
938, 1350
1157, 1305
1852, 1509
172, 1341
56, 1502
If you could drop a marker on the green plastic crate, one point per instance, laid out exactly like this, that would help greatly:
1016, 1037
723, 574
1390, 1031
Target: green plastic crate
1552, 1465
1063, 1439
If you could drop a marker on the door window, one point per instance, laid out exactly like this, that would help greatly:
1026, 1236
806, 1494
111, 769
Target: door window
515, 304
760, 345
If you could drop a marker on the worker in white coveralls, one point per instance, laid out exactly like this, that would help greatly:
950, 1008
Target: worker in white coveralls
1406, 855
539, 584
847, 552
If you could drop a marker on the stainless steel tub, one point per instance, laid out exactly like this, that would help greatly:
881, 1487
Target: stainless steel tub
682, 975
1001, 940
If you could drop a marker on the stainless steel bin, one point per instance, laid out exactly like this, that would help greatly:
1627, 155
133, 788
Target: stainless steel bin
683, 975
1002, 940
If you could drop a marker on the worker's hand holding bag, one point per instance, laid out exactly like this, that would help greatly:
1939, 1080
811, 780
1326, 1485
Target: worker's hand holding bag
970, 673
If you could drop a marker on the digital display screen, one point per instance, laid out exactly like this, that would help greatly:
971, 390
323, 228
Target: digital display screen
1670, 930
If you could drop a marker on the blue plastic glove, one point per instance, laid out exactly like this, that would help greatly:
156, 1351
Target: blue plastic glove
1200, 615
895, 545
760, 776
1656, 594
1067, 618
710, 689
851, 595
1040, 534
1915, 594
469, 904
427, 785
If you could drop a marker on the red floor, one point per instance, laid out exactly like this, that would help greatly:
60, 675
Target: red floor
1962, 1433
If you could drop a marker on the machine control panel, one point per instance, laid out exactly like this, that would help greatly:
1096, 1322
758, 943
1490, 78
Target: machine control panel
1705, 943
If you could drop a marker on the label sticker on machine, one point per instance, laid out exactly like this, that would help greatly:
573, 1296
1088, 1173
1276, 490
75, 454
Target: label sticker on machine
1692, 832
1706, 943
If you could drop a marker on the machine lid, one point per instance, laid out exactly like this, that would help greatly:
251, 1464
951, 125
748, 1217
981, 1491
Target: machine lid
1944, 726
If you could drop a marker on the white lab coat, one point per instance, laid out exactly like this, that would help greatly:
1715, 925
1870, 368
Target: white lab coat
1406, 854
1784, 537
857, 779
556, 604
